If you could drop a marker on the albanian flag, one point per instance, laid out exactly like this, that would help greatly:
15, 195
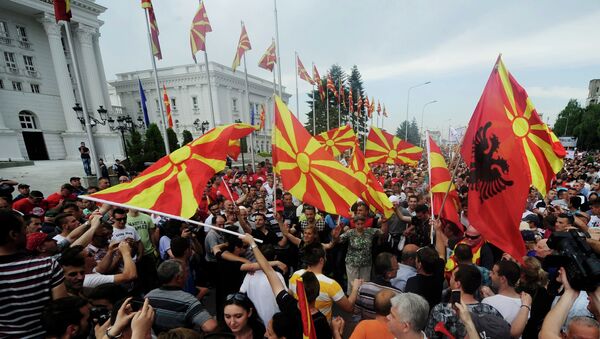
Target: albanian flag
439, 179
507, 148
175, 183
337, 140
384, 148
373, 196
307, 171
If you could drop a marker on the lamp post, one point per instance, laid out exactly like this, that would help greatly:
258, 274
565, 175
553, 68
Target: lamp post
201, 126
123, 123
422, 114
407, 102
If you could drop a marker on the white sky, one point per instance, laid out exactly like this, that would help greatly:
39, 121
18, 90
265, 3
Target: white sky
551, 47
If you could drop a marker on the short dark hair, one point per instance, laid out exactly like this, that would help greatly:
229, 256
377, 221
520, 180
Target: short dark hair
10, 221
119, 210
469, 277
179, 245
72, 257
510, 270
61, 219
568, 217
383, 263
575, 201
422, 208
313, 253
428, 258
311, 286
463, 252
310, 207
28, 217
111, 292
60, 313
268, 251
70, 205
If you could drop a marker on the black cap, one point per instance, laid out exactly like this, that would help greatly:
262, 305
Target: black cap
74, 178
22, 186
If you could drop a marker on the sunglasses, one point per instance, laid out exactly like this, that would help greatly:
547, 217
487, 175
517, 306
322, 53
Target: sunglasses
472, 237
121, 219
236, 296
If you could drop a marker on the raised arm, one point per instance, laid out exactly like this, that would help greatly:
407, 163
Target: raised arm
276, 285
558, 314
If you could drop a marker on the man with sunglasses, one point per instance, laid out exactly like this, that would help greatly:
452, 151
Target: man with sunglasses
123, 232
33, 204
482, 252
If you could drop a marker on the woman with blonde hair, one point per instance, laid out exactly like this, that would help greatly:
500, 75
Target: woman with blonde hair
534, 281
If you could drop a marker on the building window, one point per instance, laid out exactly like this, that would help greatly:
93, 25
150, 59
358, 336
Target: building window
27, 120
11, 64
35, 88
195, 103
4, 38
173, 104
17, 86
29, 67
234, 104
1, 84
23, 39
157, 105
139, 105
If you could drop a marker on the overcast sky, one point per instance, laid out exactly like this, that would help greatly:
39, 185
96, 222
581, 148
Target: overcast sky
551, 47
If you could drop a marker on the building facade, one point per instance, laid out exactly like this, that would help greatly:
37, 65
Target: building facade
593, 92
37, 82
187, 88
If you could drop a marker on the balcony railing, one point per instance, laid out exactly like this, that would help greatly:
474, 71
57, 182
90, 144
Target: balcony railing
4, 40
24, 44
119, 110
12, 70
32, 73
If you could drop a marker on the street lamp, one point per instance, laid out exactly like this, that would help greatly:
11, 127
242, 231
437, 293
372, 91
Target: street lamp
422, 113
102, 112
407, 102
123, 123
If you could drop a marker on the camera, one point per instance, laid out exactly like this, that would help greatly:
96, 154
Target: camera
99, 315
577, 257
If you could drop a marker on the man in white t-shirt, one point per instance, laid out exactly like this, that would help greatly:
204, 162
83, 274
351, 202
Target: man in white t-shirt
594, 214
514, 307
122, 232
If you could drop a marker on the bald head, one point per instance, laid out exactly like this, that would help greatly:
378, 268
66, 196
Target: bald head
383, 302
541, 248
409, 253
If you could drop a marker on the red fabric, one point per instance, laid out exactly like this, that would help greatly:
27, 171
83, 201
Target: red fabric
27, 207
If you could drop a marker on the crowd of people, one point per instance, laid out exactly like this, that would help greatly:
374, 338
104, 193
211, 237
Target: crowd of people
72, 268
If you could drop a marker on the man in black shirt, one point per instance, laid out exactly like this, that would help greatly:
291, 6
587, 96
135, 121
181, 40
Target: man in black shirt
85, 158
429, 280
263, 233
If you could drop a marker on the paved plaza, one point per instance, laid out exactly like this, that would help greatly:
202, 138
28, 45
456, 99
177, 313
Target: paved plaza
45, 176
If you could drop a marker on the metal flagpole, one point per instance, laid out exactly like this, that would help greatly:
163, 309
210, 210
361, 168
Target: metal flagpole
86, 118
313, 110
327, 105
278, 54
210, 97
249, 113
160, 100
430, 191
340, 104
297, 99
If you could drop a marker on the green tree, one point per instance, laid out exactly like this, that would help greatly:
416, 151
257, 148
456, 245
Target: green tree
135, 148
568, 119
154, 145
413, 132
172, 137
187, 137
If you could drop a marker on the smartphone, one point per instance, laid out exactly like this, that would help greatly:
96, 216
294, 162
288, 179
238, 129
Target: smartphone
136, 305
454, 297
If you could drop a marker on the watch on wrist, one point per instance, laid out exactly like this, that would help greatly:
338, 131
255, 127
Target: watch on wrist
112, 336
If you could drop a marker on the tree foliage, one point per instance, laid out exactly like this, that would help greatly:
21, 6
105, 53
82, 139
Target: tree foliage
135, 147
187, 137
172, 137
154, 145
413, 132
582, 123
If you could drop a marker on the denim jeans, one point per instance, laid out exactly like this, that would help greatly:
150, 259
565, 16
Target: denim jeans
86, 166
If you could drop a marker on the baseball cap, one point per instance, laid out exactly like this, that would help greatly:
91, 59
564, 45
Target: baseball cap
490, 326
74, 178
22, 186
36, 239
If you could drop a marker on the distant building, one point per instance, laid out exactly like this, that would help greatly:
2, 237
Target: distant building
187, 87
37, 82
593, 92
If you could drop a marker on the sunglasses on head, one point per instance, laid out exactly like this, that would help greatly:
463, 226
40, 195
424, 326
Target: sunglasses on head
472, 237
236, 296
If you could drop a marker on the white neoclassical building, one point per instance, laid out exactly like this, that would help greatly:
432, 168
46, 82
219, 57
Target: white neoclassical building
37, 83
187, 87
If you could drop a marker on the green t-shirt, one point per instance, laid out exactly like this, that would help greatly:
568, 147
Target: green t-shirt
145, 227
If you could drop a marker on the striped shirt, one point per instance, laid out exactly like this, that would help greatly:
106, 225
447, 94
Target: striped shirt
26, 285
176, 308
329, 291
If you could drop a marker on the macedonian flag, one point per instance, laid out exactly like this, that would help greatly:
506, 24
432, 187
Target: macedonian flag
243, 46
373, 196
175, 183
507, 148
307, 171
384, 148
439, 180
337, 140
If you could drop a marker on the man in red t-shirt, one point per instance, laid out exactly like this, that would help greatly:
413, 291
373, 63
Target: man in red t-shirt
57, 199
33, 204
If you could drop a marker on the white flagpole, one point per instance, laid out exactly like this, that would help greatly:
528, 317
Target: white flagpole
297, 98
313, 110
340, 104
430, 192
162, 214
158, 92
278, 54
86, 118
210, 96
249, 112
327, 105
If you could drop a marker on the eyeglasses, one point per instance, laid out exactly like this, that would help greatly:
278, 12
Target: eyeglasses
472, 237
236, 296
121, 219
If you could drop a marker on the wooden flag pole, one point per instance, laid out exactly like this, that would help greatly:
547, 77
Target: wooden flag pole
163, 214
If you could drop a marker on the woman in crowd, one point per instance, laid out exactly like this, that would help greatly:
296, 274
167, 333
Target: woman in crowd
241, 319
533, 281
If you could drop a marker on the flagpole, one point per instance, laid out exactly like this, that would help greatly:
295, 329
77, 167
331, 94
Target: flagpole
86, 118
278, 54
249, 112
297, 99
454, 171
210, 97
313, 110
340, 104
162, 214
430, 191
160, 104
273, 141
327, 105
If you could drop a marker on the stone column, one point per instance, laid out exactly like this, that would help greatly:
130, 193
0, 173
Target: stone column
100, 66
65, 86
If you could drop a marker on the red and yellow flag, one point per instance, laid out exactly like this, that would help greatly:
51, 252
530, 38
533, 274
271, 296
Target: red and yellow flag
372, 106
62, 9
331, 86
337, 140
367, 106
439, 179
243, 46
378, 108
200, 26
384, 148
147, 4
307, 171
350, 101
235, 146
302, 73
359, 105
342, 98
262, 117
167, 103
175, 183
384, 111
308, 325
268, 60
319, 82
373, 196
507, 148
